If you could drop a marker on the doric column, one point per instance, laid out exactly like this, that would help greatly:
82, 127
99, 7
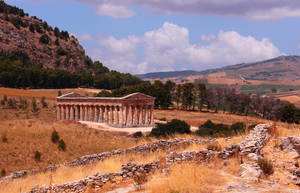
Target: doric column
118, 110
146, 115
96, 113
129, 115
133, 115
151, 115
67, 112
76, 108
58, 112
86, 113
107, 114
71, 112
112, 113
124, 116
81, 118
100, 114
62, 116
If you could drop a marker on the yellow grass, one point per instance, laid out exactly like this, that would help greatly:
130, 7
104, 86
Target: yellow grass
69, 174
39, 93
192, 177
198, 118
27, 136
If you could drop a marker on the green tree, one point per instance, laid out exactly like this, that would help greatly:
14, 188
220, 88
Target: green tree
178, 95
34, 105
44, 39
289, 113
187, 95
31, 28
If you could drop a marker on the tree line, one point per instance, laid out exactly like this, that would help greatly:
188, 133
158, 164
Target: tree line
199, 97
17, 71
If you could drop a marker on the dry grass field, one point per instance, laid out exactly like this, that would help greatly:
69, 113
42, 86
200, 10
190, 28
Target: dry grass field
198, 118
39, 93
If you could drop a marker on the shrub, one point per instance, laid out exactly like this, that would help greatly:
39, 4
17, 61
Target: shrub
215, 130
140, 179
61, 145
37, 156
4, 138
61, 52
175, 126
43, 102
34, 105
238, 128
2, 102
138, 134
215, 146
12, 103
163, 119
59, 93
31, 28
44, 39
57, 42
5, 98
3, 172
54, 136
266, 166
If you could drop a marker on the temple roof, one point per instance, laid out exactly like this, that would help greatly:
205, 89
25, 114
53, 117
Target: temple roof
136, 95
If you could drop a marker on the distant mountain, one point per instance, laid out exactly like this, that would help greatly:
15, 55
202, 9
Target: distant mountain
282, 68
158, 75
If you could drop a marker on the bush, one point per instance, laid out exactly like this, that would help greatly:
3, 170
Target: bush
217, 130
4, 138
140, 179
238, 128
163, 119
61, 145
44, 103
37, 156
3, 172
54, 136
215, 146
266, 166
44, 39
12, 103
61, 52
34, 105
138, 134
175, 126
59, 93
31, 28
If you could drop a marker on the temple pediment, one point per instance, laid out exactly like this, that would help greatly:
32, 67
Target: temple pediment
137, 96
71, 95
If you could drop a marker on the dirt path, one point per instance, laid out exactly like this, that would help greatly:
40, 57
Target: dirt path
105, 127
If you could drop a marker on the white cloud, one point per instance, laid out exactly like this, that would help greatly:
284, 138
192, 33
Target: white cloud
83, 37
249, 9
169, 48
114, 11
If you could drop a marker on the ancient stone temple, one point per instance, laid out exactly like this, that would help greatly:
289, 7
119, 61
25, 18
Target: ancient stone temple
134, 110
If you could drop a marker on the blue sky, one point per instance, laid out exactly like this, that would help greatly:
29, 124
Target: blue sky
139, 36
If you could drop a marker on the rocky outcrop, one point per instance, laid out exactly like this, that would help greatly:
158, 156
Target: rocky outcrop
291, 143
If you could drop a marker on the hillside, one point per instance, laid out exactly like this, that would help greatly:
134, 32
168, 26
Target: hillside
43, 44
167, 74
283, 68
36, 55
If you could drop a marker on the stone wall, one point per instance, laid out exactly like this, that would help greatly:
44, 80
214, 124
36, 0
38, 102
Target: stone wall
253, 142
